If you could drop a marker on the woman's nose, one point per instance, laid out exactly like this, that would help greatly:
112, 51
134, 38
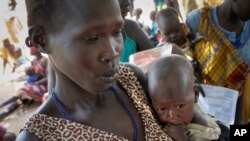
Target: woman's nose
113, 51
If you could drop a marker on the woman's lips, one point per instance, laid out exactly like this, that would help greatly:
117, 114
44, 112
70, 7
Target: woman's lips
109, 76
108, 79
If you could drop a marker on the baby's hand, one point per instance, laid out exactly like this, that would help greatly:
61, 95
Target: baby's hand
176, 132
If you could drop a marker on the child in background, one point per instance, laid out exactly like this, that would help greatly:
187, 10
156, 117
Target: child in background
153, 29
137, 14
173, 31
174, 95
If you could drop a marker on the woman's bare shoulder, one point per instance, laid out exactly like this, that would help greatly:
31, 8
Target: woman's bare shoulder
139, 74
26, 136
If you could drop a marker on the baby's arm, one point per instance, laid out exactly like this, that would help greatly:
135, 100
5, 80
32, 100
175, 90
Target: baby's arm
176, 132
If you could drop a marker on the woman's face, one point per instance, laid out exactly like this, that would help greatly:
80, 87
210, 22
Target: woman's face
173, 104
124, 6
242, 9
88, 47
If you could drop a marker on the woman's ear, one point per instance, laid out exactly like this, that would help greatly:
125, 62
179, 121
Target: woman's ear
37, 38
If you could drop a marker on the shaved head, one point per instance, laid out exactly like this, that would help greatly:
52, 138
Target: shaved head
172, 73
171, 89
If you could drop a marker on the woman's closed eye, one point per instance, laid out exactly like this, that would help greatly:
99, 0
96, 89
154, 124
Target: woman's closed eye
117, 33
92, 38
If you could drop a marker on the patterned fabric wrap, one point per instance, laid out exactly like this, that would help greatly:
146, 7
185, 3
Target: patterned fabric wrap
56, 129
219, 61
246, 100
153, 131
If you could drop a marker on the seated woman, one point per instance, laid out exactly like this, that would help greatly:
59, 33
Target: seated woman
35, 86
38, 87
95, 97
135, 39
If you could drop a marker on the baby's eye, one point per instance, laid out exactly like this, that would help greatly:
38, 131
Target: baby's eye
92, 38
161, 110
180, 106
117, 33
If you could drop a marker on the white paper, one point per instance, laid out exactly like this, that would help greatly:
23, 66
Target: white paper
219, 102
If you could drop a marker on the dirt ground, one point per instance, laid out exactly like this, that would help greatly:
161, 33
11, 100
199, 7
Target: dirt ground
15, 120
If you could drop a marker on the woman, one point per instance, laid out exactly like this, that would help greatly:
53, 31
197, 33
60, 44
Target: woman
135, 39
94, 98
224, 55
34, 87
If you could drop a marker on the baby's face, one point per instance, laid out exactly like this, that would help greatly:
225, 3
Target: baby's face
173, 106
172, 31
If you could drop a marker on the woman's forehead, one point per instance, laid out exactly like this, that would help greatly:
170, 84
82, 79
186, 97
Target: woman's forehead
92, 14
88, 6
88, 11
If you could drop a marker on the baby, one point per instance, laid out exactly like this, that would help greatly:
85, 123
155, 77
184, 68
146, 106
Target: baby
31, 76
173, 93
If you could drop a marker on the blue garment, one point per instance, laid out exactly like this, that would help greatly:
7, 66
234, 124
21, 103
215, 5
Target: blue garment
31, 79
241, 42
22, 60
159, 1
154, 33
129, 48
154, 29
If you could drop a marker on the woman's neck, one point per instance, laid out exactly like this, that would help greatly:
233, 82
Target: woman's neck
73, 96
228, 19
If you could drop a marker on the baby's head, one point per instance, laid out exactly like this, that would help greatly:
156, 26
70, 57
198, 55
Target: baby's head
30, 71
171, 88
170, 26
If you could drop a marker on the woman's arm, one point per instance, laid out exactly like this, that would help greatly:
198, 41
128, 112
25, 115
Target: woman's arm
26, 136
136, 33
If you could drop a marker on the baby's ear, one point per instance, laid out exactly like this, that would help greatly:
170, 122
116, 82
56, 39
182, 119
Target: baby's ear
185, 29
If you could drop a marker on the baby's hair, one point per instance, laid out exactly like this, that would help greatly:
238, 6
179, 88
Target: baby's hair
172, 69
171, 64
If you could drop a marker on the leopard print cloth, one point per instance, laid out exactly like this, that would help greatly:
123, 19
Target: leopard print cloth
57, 129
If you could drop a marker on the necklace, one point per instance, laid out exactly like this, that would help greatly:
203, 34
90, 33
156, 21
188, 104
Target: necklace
127, 109
60, 106
67, 115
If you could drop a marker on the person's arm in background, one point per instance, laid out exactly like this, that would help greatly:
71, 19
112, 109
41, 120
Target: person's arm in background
44, 80
136, 33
